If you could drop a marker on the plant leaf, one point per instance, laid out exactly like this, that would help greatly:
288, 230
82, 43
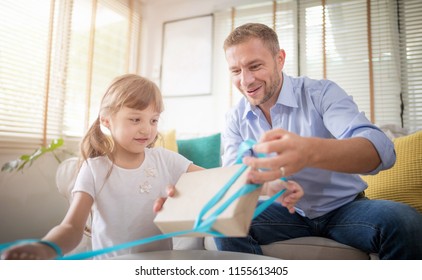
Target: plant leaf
23, 160
24, 157
11, 165
56, 143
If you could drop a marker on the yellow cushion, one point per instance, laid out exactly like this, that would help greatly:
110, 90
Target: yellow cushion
402, 182
167, 139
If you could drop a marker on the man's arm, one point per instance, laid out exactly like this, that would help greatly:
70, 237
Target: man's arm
293, 153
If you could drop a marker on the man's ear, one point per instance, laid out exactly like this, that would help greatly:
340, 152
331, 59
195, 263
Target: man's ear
281, 58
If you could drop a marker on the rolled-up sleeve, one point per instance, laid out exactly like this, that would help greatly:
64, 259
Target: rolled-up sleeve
384, 147
343, 119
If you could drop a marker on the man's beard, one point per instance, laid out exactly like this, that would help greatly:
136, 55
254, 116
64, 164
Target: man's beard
273, 89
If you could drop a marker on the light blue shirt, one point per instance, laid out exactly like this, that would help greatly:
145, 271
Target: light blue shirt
314, 108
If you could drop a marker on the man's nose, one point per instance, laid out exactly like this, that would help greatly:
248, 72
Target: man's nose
246, 78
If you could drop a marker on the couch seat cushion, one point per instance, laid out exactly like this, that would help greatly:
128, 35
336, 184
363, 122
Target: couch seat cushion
312, 248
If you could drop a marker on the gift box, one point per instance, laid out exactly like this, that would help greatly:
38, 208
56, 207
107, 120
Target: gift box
194, 190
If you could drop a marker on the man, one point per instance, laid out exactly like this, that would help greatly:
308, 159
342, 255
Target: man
314, 134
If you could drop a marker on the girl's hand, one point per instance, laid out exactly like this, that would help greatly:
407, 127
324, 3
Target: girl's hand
158, 204
30, 251
289, 198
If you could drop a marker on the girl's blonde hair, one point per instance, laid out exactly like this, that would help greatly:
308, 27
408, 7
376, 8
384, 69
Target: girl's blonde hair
130, 91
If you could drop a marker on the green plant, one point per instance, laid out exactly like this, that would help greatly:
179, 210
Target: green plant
23, 160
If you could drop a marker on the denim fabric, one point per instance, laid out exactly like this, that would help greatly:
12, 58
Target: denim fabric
391, 229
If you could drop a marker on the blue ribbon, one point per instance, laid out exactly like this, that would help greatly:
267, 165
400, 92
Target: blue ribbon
200, 226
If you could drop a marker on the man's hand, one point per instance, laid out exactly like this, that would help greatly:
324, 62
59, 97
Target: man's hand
289, 154
158, 204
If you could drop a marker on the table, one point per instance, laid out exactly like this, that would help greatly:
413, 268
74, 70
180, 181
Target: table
192, 255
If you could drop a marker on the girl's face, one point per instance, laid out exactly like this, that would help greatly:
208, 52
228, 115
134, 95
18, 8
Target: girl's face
133, 130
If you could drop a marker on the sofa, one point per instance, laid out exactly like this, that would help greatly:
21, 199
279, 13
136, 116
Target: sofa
402, 183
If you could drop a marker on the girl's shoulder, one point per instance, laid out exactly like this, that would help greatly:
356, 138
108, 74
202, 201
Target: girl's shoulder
158, 151
98, 162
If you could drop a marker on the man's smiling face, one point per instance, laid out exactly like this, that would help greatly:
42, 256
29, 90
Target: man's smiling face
255, 71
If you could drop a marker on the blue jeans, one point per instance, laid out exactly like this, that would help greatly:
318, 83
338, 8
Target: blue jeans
391, 229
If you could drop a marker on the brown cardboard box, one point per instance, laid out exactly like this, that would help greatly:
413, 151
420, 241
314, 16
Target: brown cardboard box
195, 189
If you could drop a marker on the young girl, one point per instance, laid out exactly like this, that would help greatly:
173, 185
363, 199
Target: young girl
121, 176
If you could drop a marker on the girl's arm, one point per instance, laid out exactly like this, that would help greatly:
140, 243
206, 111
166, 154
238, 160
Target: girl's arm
194, 167
66, 236
158, 204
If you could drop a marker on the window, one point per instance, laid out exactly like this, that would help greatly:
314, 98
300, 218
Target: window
361, 60
56, 59
370, 48
410, 23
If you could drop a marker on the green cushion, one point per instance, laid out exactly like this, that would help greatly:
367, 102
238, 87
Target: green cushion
202, 151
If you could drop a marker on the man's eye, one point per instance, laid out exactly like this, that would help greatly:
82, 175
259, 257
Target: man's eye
255, 66
235, 72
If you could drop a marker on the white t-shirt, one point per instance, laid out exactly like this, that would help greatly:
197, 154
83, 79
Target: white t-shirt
123, 202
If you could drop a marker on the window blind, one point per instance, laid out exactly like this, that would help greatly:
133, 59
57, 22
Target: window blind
287, 31
344, 39
385, 60
56, 63
23, 56
410, 22
356, 45
370, 48
104, 39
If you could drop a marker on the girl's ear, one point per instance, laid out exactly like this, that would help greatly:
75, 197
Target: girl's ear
105, 121
105, 125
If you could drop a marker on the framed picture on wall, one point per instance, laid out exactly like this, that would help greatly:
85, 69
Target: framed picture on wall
187, 57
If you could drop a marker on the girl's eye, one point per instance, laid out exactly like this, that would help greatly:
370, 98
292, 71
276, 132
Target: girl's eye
135, 120
154, 121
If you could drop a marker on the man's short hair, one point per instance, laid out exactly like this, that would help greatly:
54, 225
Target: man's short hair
248, 31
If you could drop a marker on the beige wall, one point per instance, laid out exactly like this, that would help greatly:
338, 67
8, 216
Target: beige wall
188, 115
29, 202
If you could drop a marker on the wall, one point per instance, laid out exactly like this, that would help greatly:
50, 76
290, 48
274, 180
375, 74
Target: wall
29, 201
194, 115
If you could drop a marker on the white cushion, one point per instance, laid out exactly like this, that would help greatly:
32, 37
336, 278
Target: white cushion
188, 243
66, 176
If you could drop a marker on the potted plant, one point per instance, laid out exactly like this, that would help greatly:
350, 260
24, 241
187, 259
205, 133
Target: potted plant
27, 159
